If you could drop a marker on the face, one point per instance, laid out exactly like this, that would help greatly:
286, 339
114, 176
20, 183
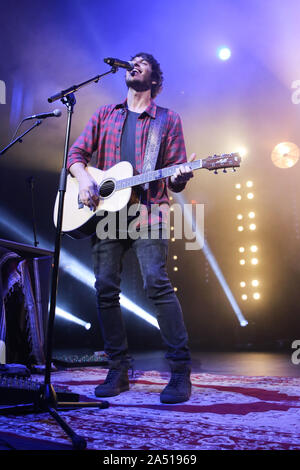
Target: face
140, 77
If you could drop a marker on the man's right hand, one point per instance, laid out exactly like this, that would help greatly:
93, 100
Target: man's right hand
87, 186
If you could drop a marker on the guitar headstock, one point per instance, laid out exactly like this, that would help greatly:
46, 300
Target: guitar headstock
226, 160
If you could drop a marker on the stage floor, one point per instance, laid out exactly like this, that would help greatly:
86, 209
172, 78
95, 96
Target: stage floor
249, 400
248, 363
239, 401
237, 363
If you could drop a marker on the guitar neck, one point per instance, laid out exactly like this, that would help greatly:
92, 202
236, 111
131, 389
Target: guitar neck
154, 175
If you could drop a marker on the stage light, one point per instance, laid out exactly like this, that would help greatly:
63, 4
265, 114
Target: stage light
244, 297
253, 248
254, 261
16, 227
238, 186
175, 289
242, 262
240, 228
213, 263
238, 197
249, 184
252, 227
140, 312
242, 284
256, 296
224, 53
239, 217
241, 249
242, 152
72, 267
70, 317
175, 268
283, 148
173, 239
285, 155
86, 276
175, 257
255, 283
250, 195
251, 215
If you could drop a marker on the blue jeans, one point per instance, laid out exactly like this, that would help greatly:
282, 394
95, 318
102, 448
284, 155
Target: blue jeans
152, 256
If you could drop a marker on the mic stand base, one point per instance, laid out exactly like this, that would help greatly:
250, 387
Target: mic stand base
46, 401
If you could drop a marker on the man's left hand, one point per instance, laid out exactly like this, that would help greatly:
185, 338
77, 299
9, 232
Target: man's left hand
183, 173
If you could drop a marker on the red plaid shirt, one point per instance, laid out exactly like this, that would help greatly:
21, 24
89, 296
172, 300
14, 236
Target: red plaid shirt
103, 135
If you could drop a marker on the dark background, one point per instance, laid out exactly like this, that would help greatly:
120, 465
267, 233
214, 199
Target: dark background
245, 102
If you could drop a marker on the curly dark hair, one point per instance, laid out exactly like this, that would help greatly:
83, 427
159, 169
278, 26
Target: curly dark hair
157, 74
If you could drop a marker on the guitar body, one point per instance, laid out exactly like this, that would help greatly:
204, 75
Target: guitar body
78, 220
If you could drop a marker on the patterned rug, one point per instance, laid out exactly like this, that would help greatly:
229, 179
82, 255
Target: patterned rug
224, 412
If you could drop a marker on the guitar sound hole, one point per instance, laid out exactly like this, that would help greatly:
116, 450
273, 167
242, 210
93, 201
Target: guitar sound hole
106, 188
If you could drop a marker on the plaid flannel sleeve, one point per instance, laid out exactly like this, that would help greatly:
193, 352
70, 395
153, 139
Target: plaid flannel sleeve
175, 149
84, 146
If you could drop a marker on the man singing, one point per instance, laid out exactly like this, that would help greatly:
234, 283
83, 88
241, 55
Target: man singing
119, 132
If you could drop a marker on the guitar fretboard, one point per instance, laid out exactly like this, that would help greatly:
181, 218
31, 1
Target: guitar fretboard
154, 175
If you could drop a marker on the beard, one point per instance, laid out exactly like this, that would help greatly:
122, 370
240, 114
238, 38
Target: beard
139, 85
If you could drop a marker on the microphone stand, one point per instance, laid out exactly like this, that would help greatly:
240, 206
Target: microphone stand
30, 182
67, 97
19, 139
74, 88
48, 399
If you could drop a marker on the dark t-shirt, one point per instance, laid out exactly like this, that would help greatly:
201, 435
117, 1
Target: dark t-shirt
128, 137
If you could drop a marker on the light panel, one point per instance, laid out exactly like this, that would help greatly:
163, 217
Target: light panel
213, 263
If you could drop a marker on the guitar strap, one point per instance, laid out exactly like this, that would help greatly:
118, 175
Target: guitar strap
153, 141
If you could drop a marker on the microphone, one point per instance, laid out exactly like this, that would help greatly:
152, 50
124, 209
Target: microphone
119, 63
55, 113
